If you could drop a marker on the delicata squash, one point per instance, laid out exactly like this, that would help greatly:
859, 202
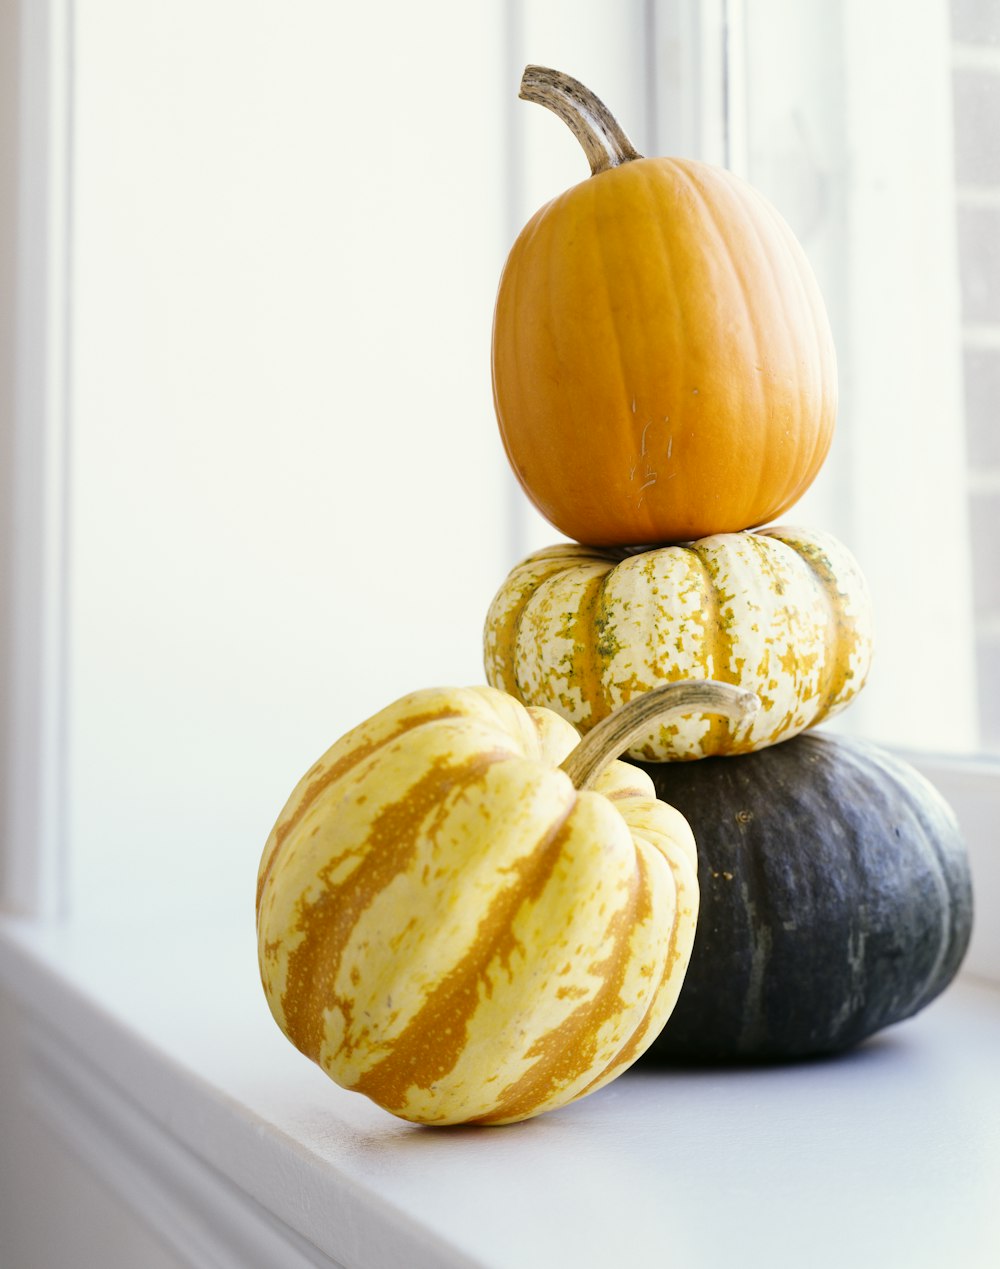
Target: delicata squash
469, 916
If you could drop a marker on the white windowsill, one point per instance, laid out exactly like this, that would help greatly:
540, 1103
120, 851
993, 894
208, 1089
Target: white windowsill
158, 1062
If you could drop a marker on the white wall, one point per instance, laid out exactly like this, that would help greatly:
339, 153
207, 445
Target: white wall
288, 498
288, 501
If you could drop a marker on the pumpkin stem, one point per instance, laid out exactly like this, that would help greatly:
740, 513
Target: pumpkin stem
613, 735
589, 119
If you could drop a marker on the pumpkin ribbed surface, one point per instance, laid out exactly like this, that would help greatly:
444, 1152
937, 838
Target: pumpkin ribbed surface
448, 926
836, 899
663, 366
783, 612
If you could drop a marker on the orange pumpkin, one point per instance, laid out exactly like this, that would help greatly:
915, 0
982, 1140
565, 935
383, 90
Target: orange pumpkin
663, 366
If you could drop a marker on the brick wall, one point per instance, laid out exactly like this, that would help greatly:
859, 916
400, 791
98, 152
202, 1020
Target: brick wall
976, 58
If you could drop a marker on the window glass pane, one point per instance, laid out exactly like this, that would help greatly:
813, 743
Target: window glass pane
873, 127
975, 47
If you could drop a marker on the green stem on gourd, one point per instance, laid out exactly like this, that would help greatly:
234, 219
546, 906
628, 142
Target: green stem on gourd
591, 122
614, 734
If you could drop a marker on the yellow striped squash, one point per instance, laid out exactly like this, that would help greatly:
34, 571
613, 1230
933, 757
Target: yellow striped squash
784, 612
447, 924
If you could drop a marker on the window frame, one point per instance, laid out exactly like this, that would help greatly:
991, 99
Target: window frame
36, 853
34, 847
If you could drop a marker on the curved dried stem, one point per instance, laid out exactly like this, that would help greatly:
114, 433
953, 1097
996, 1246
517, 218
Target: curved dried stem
591, 122
614, 734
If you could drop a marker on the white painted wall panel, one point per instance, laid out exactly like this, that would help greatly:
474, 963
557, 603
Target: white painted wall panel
54, 1213
288, 494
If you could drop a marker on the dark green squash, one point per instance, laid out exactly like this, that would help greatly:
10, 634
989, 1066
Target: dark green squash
836, 899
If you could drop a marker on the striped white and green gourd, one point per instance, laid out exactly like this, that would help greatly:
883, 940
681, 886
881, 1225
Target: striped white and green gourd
784, 612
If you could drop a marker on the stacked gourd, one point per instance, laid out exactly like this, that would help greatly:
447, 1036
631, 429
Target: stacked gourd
664, 379
469, 913
664, 374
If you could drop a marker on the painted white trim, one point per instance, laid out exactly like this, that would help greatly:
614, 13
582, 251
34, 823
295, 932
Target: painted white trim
735, 87
513, 54
977, 196
981, 57
688, 46
172, 1123
980, 335
988, 628
240, 1152
35, 864
196, 1211
984, 481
